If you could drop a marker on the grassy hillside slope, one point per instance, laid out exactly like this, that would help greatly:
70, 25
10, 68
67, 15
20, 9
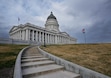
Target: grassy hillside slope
93, 56
8, 55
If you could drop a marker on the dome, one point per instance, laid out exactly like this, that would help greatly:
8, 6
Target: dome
51, 16
52, 23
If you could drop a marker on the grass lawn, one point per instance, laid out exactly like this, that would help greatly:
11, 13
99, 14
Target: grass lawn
8, 55
93, 56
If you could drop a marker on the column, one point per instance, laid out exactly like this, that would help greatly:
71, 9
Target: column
49, 38
45, 38
52, 39
16, 35
26, 34
39, 36
55, 39
42, 37
23, 35
58, 39
36, 35
32, 35
64, 41
61, 39
29, 35
20, 34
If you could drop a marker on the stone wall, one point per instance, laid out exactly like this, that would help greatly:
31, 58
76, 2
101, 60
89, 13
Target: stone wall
15, 41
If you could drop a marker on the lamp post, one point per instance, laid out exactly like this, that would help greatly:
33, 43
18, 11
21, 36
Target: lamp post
44, 39
83, 30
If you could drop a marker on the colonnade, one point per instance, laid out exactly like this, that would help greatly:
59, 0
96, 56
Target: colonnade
42, 36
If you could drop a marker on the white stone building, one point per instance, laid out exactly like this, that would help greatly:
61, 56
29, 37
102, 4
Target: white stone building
48, 35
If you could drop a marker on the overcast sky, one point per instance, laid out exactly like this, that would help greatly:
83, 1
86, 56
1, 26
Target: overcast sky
73, 15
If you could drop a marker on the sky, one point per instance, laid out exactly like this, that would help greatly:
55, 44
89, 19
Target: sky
72, 15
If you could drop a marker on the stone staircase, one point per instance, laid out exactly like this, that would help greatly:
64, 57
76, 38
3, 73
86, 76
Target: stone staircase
34, 65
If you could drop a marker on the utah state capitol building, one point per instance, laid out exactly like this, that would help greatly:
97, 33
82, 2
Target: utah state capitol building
50, 34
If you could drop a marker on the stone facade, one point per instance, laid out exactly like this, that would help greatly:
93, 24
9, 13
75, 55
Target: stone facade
48, 35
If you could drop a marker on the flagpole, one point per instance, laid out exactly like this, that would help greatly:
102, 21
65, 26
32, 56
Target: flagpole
85, 37
18, 20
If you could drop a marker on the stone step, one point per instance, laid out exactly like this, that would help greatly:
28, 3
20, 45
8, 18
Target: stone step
36, 64
57, 74
33, 60
41, 70
27, 57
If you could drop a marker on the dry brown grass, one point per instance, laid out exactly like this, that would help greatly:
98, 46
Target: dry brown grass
93, 56
8, 55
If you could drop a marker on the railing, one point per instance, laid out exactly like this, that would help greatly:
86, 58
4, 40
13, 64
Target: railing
17, 69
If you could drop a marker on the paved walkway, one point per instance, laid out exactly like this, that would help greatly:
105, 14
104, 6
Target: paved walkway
34, 65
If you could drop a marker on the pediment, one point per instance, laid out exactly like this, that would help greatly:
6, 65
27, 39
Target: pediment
13, 28
64, 33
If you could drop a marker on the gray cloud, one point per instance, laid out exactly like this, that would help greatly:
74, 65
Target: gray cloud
72, 15
100, 31
94, 16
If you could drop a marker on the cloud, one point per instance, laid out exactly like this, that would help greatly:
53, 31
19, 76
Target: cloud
100, 30
92, 15
72, 15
